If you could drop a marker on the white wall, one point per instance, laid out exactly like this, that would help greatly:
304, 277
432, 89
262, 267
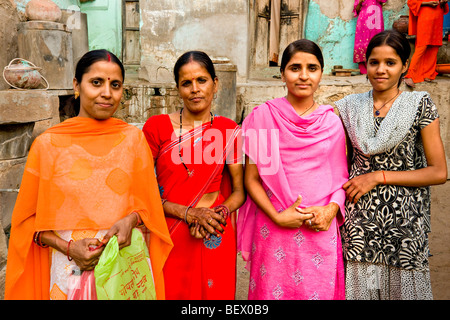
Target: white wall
171, 27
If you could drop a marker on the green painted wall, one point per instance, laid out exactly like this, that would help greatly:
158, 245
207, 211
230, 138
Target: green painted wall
104, 25
62, 4
104, 21
336, 36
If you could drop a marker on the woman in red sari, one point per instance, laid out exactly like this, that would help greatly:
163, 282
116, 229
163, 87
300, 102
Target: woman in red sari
199, 172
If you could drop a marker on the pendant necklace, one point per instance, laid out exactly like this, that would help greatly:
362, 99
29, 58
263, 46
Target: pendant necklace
377, 112
308, 109
179, 141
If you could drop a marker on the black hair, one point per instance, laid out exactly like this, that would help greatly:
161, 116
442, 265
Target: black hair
394, 39
198, 56
83, 65
302, 45
93, 56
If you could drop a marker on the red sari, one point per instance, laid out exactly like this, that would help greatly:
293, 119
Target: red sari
196, 268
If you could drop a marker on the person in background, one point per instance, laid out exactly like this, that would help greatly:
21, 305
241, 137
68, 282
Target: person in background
370, 22
86, 179
295, 166
426, 20
200, 175
395, 152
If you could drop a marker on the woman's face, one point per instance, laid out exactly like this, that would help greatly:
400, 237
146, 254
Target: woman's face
302, 75
100, 90
384, 68
196, 87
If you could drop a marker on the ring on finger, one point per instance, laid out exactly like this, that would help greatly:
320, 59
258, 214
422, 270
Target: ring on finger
309, 222
209, 221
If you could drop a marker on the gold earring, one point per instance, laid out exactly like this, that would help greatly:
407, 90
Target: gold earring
77, 94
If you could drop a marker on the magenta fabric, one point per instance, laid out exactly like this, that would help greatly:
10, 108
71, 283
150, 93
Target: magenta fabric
295, 156
370, 22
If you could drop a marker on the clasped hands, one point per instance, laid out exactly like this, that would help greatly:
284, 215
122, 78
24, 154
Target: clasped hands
318, 218
205, 221
435, 3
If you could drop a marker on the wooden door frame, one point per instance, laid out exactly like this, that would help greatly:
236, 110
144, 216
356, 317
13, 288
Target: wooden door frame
266, 72
124, 30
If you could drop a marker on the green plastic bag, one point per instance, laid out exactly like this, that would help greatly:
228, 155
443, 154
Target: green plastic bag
125, 274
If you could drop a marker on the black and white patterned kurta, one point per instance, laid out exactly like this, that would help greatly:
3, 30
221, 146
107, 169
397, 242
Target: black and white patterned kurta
389, 224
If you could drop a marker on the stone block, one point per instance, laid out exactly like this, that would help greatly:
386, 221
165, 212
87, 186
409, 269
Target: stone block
15, 140
225, 102
3, 247
8, 36
49, 46
2, 282
3, 256
22, 106
11, 172
7, 203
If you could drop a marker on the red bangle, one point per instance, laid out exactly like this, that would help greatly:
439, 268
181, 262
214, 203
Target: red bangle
37, 239
68, 245
225, 210
139, 222
384, 177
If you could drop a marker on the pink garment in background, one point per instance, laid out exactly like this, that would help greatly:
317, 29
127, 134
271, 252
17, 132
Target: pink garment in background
303, 156
370, 22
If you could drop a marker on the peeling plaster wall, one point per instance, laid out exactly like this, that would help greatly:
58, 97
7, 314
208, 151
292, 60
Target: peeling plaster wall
171, 27
332, 26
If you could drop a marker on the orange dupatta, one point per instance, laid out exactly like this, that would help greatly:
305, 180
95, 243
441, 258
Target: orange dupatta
83, 174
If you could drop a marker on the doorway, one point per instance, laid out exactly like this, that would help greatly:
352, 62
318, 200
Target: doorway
291, 19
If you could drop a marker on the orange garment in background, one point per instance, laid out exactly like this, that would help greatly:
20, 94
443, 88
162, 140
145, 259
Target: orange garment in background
83, 174
426, 23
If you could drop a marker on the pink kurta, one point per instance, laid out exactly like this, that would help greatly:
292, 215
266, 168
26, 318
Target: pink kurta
370, 22
295, 156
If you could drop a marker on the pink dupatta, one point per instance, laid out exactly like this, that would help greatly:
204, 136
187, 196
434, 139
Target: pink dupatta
294, 155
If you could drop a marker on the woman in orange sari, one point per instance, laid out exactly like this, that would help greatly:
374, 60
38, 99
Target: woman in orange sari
425, 22
86, 179
199, 172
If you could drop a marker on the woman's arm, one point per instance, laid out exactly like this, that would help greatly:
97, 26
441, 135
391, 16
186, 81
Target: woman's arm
196, 217
430, 4
290, 217
81, 251
237, 196
233, 202
435, 172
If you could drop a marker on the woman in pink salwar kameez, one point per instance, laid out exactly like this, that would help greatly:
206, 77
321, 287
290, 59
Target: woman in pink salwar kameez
370, 22
288, 229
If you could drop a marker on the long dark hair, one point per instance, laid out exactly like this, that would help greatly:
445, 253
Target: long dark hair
302, 45
198, 56
394, 39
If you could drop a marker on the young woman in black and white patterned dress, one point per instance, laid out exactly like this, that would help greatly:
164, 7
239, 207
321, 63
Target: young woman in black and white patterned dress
396, 154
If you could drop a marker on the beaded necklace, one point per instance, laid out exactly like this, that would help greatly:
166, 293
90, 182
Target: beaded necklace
179, 141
